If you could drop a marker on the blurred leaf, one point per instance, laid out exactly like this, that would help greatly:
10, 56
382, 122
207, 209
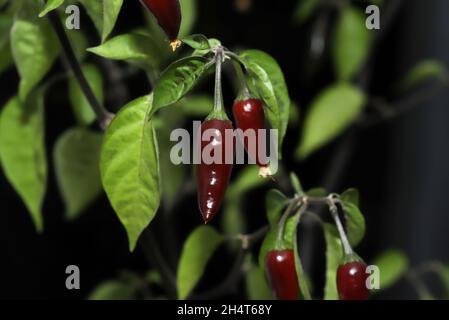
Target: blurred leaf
130, 167
294, 114
304, 10
330, 114
94, 9
443, 271
351, 196
6, 59
177, 80
352, 43
392, 266
247, 179
275, 202
79, 43
34, 47
77, 160
256, 284
23, 156
269, 82
294, 180
334, 256
316, 192
196, 41
189, 9
111, 10
422, 72
136, 47
50, 6
153, 277
6, 22
198, 249
113, 290
233, 223
81, 107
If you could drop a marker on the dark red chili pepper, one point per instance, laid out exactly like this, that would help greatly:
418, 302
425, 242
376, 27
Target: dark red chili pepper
281, 274
249, 115
213, 178
351, 281
168, 15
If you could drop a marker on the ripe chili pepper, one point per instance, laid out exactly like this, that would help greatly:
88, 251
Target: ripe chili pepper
249, 115
281, 274
213, 178
351, 281
168, 15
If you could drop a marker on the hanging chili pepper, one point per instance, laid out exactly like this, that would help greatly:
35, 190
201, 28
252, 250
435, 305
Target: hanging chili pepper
281, 273
351, 281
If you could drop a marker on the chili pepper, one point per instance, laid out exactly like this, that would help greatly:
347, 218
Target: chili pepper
168, 15
351, 281
213, 177
281, 274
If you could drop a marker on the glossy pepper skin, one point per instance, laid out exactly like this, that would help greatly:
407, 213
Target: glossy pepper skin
213, 178
281, 273
168, 15
351, 281
249, 114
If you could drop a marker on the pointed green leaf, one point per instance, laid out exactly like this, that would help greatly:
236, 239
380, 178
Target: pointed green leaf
392, 266
94, 9
130, 167
77, 165
424, 71
275, 201
296, 183
177, 80
50, 6
352, 43
304, 10
22, 148
351, 196
196, 253
113, 290
189, 9
80, 106
334, 256
34, 47
197, 42
111, 10
355, 223
330, 114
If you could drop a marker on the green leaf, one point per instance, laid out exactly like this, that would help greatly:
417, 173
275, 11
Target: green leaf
22, 148
247, 179
316, 192
392, 265
275, 201
355, 222
334, 256
197, 42
303, 280
304, 10
256, 284
422, 72
34, 47
212, 43
197, 251
296, 183
189, 9
330, 114
50, 6
351, 196
352, 43
443, 271
111, 10
94, 9
290, 231
77, 159
135, 47
113, 290
177, 80
81, 107
268, 244
269, 82
129, 167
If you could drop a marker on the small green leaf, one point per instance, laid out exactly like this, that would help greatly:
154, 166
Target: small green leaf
304, 10
80, 106
135, 47
352, 43
331, 113
212, 43
296, 183
275, 202
23, 156
111, 10
392, 265
290, 231
316, 192
422, 72
334, 256
269, 82
351, 196
177, 80
77, 159
34, 47
198, 249
189, 9
130, 167
113, 290
197, 42
256, 284
50, 6
355, 223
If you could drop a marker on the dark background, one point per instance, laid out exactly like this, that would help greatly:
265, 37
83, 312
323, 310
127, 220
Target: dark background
401, 168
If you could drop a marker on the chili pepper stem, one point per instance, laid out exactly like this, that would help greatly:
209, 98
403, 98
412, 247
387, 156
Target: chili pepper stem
281, 226
218, 112
344, 239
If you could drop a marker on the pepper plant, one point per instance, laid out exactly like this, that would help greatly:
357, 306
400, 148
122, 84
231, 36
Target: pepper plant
127, 153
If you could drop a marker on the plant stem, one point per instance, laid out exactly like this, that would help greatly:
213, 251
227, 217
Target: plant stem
281, 225
103, 116
218, 95
344, 239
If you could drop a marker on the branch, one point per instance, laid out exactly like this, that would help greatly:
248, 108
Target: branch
104, 117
